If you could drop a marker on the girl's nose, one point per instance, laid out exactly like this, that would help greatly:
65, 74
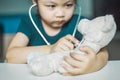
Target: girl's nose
60, 13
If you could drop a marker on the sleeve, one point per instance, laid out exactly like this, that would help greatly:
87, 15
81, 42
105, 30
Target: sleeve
25, 26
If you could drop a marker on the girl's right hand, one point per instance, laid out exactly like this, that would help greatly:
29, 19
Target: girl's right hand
63, 44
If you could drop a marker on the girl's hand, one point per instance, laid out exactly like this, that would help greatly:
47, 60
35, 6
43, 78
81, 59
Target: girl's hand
65, 43
81, 64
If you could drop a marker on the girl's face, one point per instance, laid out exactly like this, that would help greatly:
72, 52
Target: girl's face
55, 13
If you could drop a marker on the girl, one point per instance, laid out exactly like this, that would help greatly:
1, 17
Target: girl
56, 22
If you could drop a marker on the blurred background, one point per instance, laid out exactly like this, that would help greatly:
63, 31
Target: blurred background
11, 12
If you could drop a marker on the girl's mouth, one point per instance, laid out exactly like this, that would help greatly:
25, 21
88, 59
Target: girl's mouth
59, 22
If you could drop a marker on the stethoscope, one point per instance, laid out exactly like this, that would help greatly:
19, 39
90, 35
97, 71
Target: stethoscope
40, 33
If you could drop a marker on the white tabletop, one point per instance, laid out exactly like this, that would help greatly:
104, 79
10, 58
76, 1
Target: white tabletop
21, 72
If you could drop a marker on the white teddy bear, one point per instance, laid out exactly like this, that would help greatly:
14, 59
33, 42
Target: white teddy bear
97, 33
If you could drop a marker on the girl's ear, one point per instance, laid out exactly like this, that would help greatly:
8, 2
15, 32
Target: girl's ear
34, 1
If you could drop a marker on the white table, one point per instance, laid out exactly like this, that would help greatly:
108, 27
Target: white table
21, 72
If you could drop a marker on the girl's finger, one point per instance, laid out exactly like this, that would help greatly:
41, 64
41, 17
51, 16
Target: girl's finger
71, 71
87, 50
78, 57
71, 39
72, 62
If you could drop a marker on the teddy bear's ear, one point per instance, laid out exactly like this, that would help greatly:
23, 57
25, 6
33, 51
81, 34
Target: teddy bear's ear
83, 26
109, 23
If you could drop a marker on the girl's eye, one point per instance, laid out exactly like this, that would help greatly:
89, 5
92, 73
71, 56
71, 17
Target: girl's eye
69, 5
51, 6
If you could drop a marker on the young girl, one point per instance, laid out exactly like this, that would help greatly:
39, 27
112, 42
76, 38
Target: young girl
57, 23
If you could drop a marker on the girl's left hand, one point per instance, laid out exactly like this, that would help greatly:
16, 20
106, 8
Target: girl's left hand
81, 64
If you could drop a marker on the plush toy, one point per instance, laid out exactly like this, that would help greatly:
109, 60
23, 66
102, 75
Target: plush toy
97, 33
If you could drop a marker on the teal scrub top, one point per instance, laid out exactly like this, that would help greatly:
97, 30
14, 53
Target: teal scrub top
27, 28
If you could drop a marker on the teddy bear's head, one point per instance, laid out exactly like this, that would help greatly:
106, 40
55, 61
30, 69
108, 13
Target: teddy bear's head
97, 32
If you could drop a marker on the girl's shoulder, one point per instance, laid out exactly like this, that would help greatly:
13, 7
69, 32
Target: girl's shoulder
76, 16
26, 19
74, 19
